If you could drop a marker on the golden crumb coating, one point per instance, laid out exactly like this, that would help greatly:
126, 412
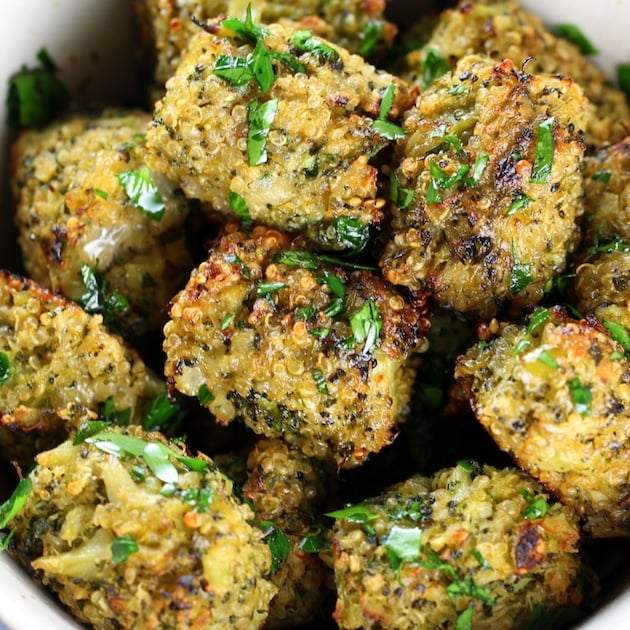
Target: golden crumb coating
59, 361
287, 490
487, 187
296, 155
73, 184
503, 30
296, 346
555, 395
166, 26
130, 532
467, 547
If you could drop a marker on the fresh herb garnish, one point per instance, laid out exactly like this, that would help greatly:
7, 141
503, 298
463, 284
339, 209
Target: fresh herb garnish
162, 415
305, 312
313, 543
521, 346
537, 506
359, 513
602, 176
261, 117
279, 544
382, 126
351, 234
144, 194
616, 245
237, 71
623, 78
573, 34
234, 259
403, 545
204, 395
371, 35
36, 95
619, 334
366, 326
101, 193
239, 206
107, 412
247, 30
545, 149
581, 395
402, 197
98, 299
465, 619
320, 382
5, 367
520, 274
304, 40
12, 506
308, 260
519, 201
156, 455
122, 547
434, 66
267, 288
228, 318
537, 319
563, 617
546, 358
199, 498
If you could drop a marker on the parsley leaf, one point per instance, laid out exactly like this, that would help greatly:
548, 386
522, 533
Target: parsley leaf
537, 319
267, 288
581, 395
537, 508
98, 299
519, 201
366, 326
623, 78
313, 543
620, 334
234, 259
279, 544
12, 506
434, 66
36, 95
320, 382
602, 176
402, 197
359, 513
261, 117
403, 545
122, 547
382, 126
204, 395
162, 415
520, 274
573, 34
107, 412
5, 367
141, 189
239, 206
545, 149
304, 40
371, 35
351, 234
237, 71
199, 498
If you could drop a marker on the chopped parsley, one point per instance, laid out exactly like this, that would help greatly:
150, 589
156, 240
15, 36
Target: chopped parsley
623, 78
155, 455
279, 544
227, 320
162, 415
382, 126
537, 319
199, 498
573, 34
97, 297
616, 245
239, 206
267, 288
304, 40
537, 506
12, 506
351, 234
519, 201
36, 95
5, 367
103, 194
313, 543
546, 358
434, 66
366, 326
320, 382
402, 197
234, 259
122, 547
619, 334
372, 32
107, 412
360, 514
309, 260
520, 274
581, 395
402, 545
602, 176
545, 149
144, 194
261, 117
204, 395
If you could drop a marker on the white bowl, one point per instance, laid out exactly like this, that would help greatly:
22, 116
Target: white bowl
92, 42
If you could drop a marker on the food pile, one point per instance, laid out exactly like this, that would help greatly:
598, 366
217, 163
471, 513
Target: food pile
334, 331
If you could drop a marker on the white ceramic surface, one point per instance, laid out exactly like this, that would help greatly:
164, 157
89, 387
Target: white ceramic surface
91, 40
